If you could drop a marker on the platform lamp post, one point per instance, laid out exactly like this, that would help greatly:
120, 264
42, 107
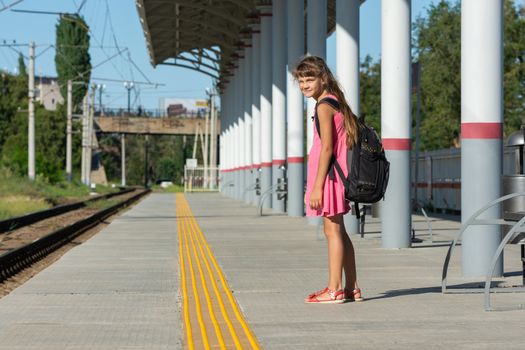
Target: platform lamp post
128, 85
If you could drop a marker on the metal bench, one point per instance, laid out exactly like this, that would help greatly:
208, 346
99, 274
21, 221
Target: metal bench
516, 235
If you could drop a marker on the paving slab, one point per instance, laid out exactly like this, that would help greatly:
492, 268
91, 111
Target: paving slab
118, 290
272, 262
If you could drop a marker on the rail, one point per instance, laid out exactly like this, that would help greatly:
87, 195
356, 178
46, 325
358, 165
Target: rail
31, 218
17, 259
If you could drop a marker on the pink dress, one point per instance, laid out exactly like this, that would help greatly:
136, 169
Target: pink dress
334, 192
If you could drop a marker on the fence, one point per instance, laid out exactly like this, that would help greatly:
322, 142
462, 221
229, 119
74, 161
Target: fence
439, 177
201, 179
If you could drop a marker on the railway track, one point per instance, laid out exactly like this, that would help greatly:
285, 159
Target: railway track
17, 259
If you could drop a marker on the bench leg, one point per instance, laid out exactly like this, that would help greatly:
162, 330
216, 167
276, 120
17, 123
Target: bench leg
523, 261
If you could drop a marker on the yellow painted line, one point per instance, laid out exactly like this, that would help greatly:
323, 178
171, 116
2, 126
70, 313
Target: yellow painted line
204, 285
185, 307
227, 320
204, 334
235, 307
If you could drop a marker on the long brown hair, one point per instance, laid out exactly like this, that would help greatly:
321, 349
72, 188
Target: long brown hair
313, 66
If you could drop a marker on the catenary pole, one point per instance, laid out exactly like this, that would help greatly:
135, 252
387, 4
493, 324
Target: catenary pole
69, 130
31, 114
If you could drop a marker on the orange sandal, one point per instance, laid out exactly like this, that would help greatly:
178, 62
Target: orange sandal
333, 297
353, 295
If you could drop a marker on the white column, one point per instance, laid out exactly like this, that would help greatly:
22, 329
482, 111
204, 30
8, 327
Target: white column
279, 54
316, 24
239, 155
396, 121
256, 102
294, 109
266, 102
247, 101
347, 50
347, 67
481, 129
242, 127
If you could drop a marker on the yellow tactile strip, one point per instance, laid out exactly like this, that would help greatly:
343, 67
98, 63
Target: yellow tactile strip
212, 318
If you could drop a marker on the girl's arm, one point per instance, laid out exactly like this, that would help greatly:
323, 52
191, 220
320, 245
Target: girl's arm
325, 113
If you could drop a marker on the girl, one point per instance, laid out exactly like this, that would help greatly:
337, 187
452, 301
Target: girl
324, 196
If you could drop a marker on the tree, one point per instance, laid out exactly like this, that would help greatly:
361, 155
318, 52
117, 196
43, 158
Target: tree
514, 66
72, 58
370, 93
438, 48
22, 71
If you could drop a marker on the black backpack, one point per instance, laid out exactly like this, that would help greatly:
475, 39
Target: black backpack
368, 168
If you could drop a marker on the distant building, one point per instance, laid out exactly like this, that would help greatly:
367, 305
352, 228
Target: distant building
48, 92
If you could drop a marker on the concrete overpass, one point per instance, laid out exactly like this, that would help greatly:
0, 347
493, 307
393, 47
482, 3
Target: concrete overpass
151, 126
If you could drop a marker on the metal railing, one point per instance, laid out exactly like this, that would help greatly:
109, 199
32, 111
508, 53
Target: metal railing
201, 179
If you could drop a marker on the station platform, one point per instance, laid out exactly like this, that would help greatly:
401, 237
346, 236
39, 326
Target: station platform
125, 288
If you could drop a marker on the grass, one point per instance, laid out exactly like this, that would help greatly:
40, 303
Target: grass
169, 189
102, 204
19, 205
19, 195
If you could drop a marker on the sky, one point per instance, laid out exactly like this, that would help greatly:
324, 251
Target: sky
114, 25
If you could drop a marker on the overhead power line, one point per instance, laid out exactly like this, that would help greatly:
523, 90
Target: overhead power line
7, 7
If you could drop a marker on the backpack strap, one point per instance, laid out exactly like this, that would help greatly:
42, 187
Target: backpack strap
332, 102
347, 183
335, 105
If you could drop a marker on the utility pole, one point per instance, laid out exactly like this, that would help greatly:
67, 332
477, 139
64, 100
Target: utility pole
89, 148
31, 121
69, 130
84, 138
146, 161
128, 86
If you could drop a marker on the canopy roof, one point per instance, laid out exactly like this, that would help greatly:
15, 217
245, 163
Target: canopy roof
204, 35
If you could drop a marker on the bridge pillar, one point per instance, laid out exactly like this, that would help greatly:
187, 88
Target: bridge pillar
481, 129
396, 121
294, 109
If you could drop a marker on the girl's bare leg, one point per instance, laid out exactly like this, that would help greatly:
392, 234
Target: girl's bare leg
349, 262
336, 250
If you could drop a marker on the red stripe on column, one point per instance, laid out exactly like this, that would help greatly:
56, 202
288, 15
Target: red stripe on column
295, 159
266, 165
278, 162
481, 130
397, 144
